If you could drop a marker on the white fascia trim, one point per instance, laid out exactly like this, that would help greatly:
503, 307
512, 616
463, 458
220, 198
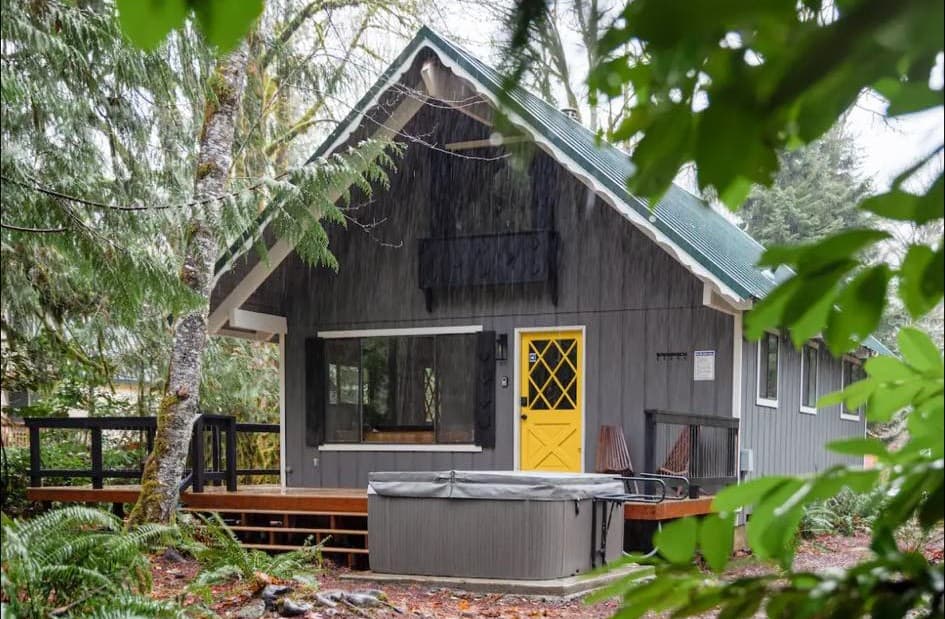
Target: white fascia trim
282, 421
737, 366
257, 321
445, 330
398, 447
614, 201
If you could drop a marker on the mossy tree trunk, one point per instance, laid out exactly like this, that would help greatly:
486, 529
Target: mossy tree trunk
178, 408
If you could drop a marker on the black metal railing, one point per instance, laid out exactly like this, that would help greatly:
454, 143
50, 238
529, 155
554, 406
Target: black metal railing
212, 457
702, 448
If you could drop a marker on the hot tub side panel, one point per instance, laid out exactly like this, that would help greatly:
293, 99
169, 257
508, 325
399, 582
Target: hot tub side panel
528, 540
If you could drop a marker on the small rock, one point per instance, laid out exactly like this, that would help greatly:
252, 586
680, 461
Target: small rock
254, 610
271, 593
172, 556
287, 607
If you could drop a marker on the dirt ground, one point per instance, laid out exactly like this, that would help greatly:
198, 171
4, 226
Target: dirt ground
170, 578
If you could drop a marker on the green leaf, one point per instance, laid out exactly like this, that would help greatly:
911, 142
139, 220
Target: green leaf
147, 22
913, 290
767, 312
888, 368
858, 446
907, 97
814, 256
715, 540
933, 508
890, 399
860, 308
677, 540
731, 498
224, 22
919, 351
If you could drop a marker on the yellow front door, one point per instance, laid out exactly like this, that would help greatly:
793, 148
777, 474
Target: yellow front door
551, 401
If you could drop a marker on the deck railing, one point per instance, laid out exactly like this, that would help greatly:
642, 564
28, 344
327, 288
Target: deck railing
703, 448
213, 452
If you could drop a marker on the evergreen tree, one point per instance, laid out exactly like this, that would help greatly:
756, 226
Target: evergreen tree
816, 193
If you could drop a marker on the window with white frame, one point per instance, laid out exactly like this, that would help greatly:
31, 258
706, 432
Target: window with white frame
809, 367
851, 372
769, 352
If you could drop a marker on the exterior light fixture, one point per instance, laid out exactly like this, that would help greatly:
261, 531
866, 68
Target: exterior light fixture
502, 347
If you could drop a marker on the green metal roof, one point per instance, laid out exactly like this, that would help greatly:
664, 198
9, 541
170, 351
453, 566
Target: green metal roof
708, 237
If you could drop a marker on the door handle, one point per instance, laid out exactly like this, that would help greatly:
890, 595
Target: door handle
524, 417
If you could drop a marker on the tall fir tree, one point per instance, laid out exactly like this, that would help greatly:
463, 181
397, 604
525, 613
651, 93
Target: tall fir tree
816, 193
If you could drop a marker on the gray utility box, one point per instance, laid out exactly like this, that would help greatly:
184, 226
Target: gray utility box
489, 524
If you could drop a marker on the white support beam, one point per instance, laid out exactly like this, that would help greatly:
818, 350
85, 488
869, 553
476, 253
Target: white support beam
496, 139
405, 110
257, 321
255, 336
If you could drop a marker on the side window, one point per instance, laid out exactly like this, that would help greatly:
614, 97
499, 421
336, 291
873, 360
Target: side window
852, 372
768, 361
809, 369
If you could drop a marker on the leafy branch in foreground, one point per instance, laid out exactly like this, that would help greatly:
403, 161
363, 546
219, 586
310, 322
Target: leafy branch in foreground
77, 562
728, 90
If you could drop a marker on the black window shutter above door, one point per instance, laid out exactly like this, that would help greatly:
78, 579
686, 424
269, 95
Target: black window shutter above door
485, 390
316, 378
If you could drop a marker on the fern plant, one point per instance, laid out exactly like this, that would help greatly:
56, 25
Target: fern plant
77, 562
222, 556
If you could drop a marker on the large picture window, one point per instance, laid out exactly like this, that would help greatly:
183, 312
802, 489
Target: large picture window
401, 390
851, 372
809, 367
768, 358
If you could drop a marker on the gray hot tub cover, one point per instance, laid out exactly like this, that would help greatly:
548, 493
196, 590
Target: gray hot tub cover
495, 485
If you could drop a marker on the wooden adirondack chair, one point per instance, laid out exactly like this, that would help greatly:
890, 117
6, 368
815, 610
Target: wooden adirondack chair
613, 455
677, 461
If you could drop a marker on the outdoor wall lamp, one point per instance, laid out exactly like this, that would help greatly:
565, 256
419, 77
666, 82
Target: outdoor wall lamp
502, 347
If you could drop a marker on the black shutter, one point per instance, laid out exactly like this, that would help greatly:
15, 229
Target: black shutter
485, 390
316, 378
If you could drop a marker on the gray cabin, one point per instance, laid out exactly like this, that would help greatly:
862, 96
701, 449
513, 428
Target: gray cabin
511, 298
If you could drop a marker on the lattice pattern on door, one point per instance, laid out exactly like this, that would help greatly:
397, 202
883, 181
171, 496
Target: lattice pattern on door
552, 374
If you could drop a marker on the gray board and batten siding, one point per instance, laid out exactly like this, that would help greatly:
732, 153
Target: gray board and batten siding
633, 299
785, 441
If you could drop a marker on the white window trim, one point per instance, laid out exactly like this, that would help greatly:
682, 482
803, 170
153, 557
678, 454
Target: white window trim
760, 401
810, 410
444, 330
846, 416
463, 447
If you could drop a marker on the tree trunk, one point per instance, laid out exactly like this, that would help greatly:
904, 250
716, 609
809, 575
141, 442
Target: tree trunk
177, 412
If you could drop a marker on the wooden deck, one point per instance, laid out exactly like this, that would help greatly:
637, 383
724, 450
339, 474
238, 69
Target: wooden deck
348, 501
340, 501
668, 510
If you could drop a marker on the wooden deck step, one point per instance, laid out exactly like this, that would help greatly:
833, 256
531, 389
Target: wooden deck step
325, 550
281, 529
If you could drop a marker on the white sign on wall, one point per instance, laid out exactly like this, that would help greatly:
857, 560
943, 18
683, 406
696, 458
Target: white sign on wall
703, 365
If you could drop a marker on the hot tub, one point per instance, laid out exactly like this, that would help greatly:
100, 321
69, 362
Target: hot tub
489, 524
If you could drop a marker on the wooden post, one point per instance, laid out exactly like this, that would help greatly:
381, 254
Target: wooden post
231, 454
649, 448
198, 454
36, 464
694, 464
97, 476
